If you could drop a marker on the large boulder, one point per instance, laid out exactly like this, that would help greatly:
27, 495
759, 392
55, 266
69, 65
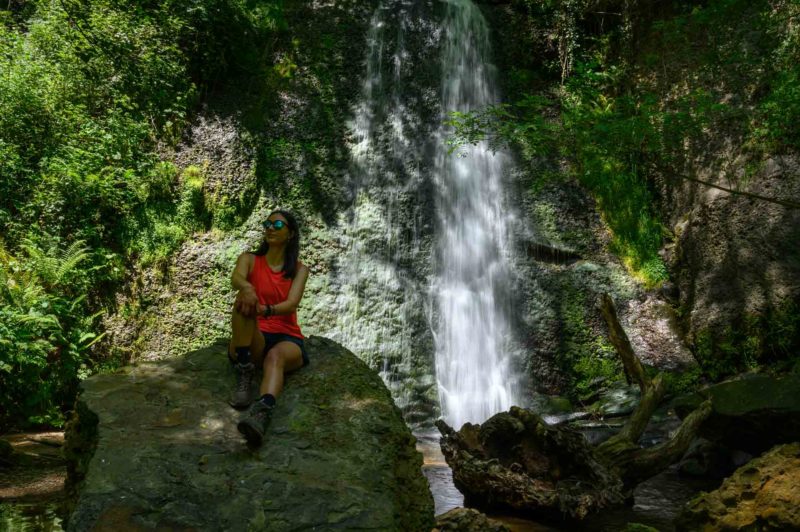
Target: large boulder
761, 495
752, 413
516, 461
156, 446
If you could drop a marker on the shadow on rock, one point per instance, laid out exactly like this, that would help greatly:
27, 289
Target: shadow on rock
156, 445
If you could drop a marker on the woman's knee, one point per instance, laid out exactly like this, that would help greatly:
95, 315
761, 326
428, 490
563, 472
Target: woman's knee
274, 358
238, 316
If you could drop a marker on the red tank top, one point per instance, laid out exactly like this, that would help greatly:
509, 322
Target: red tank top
273, 288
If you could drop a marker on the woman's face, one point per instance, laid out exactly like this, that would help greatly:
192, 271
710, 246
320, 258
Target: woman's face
272, 234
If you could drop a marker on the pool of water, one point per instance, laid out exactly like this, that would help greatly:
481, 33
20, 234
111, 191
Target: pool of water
32, 489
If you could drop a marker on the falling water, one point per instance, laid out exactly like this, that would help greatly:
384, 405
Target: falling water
470, 291
413, 201
381, 297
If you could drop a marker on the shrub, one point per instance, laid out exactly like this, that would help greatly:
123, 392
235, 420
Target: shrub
45, 332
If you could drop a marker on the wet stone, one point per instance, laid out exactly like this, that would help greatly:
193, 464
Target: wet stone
163, 451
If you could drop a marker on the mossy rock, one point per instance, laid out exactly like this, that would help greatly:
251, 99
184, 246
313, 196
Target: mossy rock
336, 456
760, 495
751, 413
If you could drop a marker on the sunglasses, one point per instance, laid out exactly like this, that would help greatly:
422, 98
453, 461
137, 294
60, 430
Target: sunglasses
277, 224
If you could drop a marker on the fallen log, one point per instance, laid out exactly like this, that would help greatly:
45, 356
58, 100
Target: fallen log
516, 461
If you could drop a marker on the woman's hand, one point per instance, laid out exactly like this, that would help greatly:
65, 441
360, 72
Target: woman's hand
246, 302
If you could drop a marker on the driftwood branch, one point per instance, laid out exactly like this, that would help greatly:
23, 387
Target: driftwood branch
644, 463
633, 367
616, 450
652, 390
622, 452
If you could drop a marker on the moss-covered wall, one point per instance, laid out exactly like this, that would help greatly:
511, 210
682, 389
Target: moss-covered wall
699, 81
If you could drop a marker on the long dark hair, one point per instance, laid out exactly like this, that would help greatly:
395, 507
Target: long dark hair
292, 246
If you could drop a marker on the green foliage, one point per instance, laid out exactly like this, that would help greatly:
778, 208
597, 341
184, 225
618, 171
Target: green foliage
759, 340
746, 57
45, 331
609, 138
87, 89
682, 382
584, 356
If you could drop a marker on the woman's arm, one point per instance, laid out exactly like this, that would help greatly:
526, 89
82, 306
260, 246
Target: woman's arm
246, 300
295, 294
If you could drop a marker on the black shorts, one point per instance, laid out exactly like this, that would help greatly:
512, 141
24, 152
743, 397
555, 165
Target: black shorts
273, 339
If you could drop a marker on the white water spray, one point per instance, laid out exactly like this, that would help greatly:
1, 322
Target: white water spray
377, 298
472, 335
395, 306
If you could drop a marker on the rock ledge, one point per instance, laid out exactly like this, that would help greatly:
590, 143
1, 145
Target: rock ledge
156, 446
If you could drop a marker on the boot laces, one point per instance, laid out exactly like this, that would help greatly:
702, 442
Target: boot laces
261, 412
244, 375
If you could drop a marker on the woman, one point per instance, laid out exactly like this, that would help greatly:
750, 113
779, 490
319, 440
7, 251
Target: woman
270, 284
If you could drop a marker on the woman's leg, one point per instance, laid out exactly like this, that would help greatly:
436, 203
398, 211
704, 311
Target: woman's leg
244, 332
281, 359
245, 348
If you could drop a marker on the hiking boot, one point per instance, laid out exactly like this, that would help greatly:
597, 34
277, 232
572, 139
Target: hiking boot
255, 424
240, 398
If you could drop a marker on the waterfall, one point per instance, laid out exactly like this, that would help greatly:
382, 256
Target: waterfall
470, 290
424, 273
380, 297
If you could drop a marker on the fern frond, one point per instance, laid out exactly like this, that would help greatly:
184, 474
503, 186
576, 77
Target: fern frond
51, 265
69, 259
40, 320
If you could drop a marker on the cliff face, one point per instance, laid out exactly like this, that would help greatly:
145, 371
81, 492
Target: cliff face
737, 272
713, 80
156, 446
737, 276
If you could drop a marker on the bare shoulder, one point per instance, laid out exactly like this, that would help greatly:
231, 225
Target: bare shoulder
245, 260
302, 268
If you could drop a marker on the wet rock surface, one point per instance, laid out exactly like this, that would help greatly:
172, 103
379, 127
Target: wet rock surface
468, 520
761, 495
655, 334
515, 461
156, 446
731, 262
752, 413
706, 459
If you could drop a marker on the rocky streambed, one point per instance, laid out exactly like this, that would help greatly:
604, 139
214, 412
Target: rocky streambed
32, 477
151, 447
518, 462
